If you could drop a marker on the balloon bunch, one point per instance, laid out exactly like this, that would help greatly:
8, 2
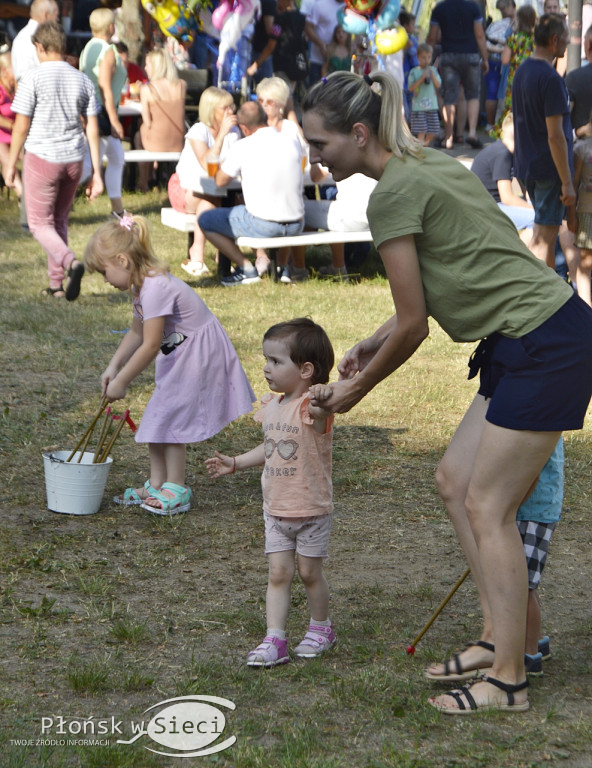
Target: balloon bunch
230, 18
175, 18
377, 19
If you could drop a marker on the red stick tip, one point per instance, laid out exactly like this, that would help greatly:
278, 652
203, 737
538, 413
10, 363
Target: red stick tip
410, 650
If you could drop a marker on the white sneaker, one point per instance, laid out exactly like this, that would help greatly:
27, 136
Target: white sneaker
195, 268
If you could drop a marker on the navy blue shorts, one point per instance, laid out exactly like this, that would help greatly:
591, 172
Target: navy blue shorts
542, 381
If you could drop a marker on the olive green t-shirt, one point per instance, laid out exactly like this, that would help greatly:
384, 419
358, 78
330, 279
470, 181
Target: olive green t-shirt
478, 277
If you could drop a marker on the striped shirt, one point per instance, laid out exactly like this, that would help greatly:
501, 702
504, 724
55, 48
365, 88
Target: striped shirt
55, 95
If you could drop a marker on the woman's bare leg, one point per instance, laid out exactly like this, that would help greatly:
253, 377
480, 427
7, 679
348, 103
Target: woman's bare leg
505, 466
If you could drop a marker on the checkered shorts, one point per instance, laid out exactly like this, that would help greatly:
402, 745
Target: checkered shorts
535, 538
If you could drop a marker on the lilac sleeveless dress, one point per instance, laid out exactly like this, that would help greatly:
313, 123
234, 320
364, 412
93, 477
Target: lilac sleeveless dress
200, 384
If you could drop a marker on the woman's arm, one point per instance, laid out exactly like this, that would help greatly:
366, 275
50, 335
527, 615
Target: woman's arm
140, 358
201, 149
95, 186
506, 55
107, 69
396, 340
20, 131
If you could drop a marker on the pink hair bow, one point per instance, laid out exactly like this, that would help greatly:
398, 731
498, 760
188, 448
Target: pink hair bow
126, 222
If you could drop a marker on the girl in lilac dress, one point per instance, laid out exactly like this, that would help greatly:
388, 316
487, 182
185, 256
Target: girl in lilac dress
200, 383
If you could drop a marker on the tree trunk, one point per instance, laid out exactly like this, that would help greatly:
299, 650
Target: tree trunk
130, 29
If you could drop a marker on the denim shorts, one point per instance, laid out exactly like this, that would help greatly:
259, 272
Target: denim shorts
541, 381
545, 196
238, 222
457, 68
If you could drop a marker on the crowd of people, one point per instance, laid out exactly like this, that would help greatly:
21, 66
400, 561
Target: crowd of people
467, 248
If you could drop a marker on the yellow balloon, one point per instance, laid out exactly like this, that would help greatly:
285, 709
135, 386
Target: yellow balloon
390, 40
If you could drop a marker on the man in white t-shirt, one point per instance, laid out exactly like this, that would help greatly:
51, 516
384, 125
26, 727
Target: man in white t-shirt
269, 163
320, 25
23, 53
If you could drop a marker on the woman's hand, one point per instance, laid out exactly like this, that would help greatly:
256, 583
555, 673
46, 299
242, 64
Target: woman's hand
95, 186
220, 465
357, 358
228, 122
10, 175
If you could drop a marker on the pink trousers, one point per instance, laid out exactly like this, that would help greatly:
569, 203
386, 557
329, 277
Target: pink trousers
49, 195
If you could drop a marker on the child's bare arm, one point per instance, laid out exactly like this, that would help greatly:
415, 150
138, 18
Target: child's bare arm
221, 464
138, 360
130, 342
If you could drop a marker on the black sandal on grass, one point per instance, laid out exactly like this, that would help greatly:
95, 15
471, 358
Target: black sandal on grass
55, 293
464, 693
75, 274
454, 672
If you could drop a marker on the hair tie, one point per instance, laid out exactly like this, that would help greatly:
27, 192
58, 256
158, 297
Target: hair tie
368, 80
126, 222
323, 80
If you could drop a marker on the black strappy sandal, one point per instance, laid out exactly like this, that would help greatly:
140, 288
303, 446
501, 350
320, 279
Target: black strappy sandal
463, 695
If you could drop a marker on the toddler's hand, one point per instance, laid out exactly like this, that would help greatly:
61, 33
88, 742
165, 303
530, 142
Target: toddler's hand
318, 393
220, 465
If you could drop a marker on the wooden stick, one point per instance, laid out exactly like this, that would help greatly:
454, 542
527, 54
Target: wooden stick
105, 454
103, 434
88, 432
439, 610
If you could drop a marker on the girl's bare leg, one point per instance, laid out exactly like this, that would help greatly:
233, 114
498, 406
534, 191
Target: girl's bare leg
158, 470
197, 250
311, 572
281, 574
167, 465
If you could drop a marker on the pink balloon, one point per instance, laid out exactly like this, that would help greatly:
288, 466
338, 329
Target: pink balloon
220, 14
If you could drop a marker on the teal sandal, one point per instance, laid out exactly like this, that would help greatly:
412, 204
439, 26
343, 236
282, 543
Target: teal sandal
131, 498
169, 505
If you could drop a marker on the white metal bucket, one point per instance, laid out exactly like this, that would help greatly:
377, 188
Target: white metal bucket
73, 488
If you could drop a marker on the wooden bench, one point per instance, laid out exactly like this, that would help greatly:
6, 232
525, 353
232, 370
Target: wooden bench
185, 222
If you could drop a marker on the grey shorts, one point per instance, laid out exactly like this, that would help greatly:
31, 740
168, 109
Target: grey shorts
309, 536
457, 68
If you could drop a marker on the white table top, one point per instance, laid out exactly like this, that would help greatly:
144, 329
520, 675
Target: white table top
129, 109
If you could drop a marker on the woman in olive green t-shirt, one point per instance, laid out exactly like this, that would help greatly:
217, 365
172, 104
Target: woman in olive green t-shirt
451, 254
